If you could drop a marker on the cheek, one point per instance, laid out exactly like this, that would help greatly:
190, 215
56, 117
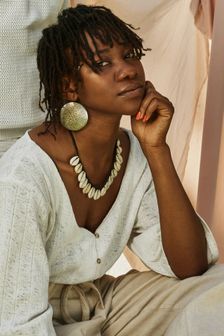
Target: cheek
92, 94
141, 71
92, 91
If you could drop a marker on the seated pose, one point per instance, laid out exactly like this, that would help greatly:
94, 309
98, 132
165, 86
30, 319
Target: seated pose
75, 190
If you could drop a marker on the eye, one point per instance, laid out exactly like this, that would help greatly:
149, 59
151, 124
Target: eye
102, 64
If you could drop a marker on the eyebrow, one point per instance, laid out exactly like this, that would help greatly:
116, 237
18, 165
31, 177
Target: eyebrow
101, 51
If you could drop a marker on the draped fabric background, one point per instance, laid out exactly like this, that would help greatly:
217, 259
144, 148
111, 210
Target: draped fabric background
211, 180
203, 11
177, 31
177, 64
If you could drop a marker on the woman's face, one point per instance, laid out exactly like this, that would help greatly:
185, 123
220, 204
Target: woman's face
120, 85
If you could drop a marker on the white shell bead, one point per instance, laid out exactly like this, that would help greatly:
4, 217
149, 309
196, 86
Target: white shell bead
110, 179
117, 166
107, 185
83, 184
119, 158
103, 191
74, 160
114, 173
87, 188
96, 195
81, 176
91, 192
78, 168
119, 150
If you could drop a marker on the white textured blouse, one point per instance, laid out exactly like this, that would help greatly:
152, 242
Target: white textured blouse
21, 24
40, 241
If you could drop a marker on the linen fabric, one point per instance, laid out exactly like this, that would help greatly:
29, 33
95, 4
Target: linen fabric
211, 182
203, 11
20, 30
41, 242
8, 137
6, 144
144, 303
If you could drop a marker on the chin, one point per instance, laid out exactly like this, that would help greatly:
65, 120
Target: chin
132, 110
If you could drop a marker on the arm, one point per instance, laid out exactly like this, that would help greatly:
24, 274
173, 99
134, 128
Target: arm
24, 276
183, 237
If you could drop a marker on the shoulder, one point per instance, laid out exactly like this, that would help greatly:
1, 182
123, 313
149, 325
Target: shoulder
25, 165
26, 193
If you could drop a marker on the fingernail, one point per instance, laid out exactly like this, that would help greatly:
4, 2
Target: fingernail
145, 118
141, 115
138, 116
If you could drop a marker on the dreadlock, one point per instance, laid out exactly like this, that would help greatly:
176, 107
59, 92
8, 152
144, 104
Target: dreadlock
70, 34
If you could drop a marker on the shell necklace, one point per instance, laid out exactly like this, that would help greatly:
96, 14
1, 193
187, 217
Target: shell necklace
92, 191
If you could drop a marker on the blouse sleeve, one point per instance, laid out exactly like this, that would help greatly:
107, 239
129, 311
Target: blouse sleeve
145, 240
24, 275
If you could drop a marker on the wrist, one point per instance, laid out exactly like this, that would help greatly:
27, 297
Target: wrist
159, 159
156, 151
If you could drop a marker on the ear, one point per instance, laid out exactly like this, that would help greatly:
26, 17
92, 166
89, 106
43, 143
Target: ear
69, 89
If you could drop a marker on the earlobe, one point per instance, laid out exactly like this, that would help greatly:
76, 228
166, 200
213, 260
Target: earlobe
69, 89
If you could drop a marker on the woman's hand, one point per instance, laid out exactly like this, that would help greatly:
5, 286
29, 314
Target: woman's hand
152, 122
187, 253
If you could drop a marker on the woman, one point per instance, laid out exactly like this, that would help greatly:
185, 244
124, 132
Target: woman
77, 189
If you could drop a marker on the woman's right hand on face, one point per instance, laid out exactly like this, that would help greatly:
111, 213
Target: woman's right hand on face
152, 122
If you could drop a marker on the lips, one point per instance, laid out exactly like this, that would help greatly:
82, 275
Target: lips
131, 89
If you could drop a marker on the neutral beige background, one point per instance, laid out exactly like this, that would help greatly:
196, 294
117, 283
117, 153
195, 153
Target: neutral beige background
178, 32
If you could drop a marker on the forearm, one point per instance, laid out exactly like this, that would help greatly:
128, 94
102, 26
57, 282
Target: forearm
182, 233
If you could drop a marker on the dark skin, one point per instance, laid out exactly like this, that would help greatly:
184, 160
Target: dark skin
102, 95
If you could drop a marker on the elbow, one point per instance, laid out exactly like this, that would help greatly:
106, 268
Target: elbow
192, 272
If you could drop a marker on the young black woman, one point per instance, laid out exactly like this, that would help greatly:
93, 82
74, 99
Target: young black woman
77, 189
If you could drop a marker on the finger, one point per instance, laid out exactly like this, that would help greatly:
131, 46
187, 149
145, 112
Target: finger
148, 89
151, 109
149, 85
146, 101
159, 105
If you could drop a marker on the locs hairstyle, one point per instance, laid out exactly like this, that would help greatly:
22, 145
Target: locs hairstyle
69, 34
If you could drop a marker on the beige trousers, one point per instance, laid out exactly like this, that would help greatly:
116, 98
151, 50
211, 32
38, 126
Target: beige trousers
141, 303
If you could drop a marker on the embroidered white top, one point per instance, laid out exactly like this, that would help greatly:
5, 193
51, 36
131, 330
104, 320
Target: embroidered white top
40, 240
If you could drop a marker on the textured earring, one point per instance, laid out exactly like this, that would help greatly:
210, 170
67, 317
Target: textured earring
73, 116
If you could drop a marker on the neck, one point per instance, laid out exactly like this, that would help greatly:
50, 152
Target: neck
97, 139
96, 144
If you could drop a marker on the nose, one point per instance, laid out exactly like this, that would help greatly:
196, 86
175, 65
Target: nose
125, 70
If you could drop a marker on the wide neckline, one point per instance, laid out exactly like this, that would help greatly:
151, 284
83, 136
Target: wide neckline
62, 185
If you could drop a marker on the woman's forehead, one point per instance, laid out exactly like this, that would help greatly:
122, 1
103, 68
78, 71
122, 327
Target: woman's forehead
97, 46
97, 43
